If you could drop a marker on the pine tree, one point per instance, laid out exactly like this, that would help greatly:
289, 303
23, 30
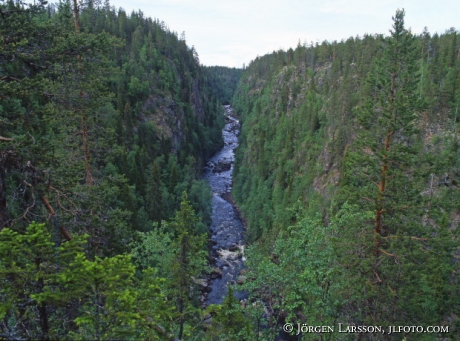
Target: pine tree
387, 259
24, 75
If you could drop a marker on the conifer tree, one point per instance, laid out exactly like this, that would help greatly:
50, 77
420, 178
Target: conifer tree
33, 302
190, 260
229, 320
387, 258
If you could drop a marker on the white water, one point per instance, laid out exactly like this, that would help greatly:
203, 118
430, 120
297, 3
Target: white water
226, 228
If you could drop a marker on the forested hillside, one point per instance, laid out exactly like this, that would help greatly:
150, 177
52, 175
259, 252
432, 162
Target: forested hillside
347, 175
106, 120
224, 81
347, 178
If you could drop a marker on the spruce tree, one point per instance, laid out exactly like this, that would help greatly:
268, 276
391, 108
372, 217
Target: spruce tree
190, 260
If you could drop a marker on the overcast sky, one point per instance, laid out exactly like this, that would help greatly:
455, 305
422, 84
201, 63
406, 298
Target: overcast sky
233, 32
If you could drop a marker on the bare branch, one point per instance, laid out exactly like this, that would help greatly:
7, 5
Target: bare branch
387, 253
6, 139
409, 237
51, 211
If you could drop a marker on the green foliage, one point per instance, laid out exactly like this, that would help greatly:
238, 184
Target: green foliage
106, 118
31, 294
176, 250
229, 321
385, 174
154, 249
107, 101
44, 286
190, 260
155, 310
361, 131
105, 287
225, 81
297, 279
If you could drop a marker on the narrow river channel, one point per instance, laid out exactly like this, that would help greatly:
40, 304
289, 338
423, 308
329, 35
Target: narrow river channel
227, 230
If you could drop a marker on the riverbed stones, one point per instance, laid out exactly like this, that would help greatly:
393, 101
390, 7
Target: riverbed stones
233, 248
227, 228
216, 273
222, 166
203, 283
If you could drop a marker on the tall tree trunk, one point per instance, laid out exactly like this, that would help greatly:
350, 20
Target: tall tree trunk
4, 216
182, 320
379, 211
383, 176
76, 14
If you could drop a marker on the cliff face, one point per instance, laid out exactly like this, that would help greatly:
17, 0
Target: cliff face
196, 101
165, 115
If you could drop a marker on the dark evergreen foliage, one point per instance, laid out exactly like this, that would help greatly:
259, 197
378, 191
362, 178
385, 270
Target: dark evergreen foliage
346, 171
89, 114
106, 118
224, 80
347, 175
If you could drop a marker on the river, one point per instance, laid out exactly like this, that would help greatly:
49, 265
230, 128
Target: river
227, 229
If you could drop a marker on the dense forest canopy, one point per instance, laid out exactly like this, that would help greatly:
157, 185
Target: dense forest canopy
225, 81
106, 121
346, 176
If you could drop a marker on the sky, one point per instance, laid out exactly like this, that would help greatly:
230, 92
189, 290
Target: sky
234, 32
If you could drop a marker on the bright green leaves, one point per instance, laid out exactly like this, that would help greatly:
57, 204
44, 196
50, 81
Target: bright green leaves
114, 303
30, 292
42, 286
154, 249
155, 310
106, 288
230, 321
176, 251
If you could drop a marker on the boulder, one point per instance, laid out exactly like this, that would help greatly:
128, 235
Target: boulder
222, 166
203, 283
216, 273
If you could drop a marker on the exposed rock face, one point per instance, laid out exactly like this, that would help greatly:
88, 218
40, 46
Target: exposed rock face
196, 102
167, 117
